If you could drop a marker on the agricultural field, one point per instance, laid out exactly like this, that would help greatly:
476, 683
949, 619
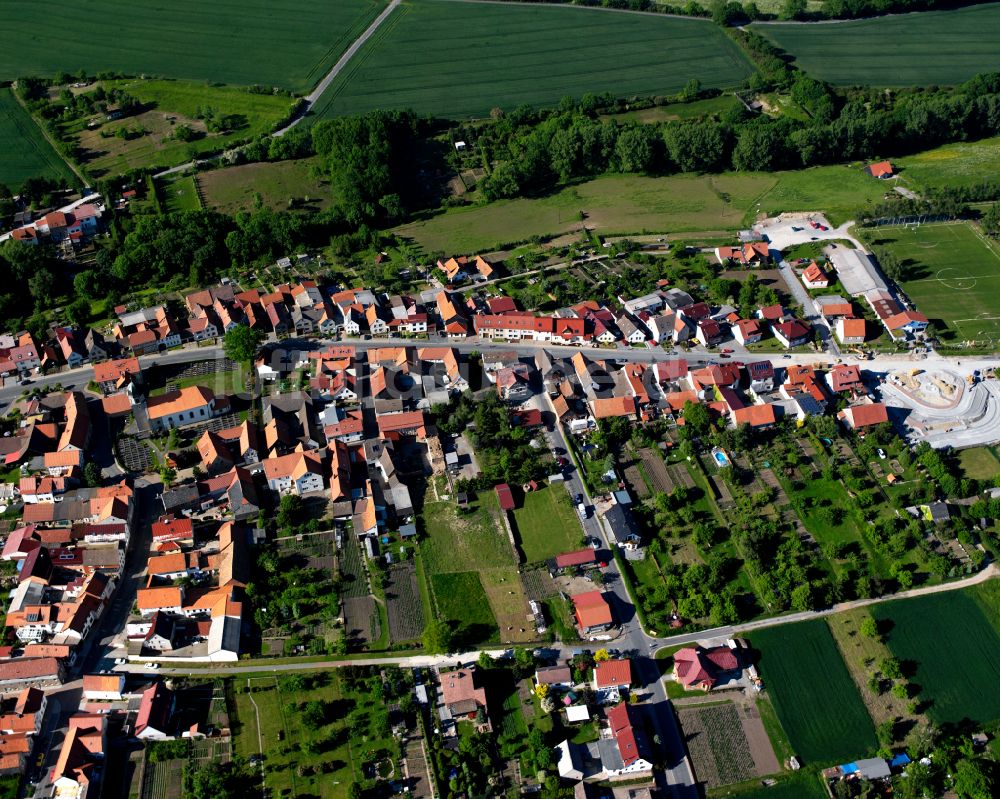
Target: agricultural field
633, 204
403, 603
531, 54
280, 185
952, 276
955, 652
892, 50
166, 106
277, 43
715, 740
813, 693
474, 543
547, 524
24, 151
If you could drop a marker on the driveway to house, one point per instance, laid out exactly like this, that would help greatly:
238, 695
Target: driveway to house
809, 308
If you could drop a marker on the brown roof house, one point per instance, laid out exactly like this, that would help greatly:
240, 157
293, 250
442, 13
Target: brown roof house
464, 698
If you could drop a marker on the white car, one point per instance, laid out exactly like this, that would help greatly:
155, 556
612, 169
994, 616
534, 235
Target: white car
881, 453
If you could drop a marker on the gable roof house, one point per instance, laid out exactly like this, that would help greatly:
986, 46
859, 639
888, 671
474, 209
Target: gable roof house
696, 667
813, 277
592, 611
180, 408
850, 330
294, 473
881, 170
627, 753
463, 696
861, 417
791, 334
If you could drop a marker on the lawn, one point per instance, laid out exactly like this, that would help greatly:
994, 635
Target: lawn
24, 151
817, 520
168, 104
463, 605
632, 204
980, 463
813, 693
797, 785
519, 53
955, 650
953, 276
892, 50
279, 184
675, 111
179, 194
242, 42
547, 524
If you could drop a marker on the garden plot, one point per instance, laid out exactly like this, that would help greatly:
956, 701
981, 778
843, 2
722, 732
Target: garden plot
656, 470
717, 744
405, 609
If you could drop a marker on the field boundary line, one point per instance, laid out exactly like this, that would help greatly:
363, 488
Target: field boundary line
324, 84
49, 139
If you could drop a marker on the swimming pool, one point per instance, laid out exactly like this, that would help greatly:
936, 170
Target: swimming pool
720, 457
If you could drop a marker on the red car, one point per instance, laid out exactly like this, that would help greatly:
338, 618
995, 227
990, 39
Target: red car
727, 350
814, 225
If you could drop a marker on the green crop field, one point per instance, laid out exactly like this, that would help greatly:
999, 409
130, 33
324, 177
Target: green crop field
956, 652
519, 53
635, 204
895, 50
797, 785
24, 152
813, 693
547, 524
242, 42
953, 276
179, 194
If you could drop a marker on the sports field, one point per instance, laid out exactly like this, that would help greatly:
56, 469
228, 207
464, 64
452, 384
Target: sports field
895, 50
242, 42
956, 652
461, 59
813, 693
633, 204
953, 276
24, 152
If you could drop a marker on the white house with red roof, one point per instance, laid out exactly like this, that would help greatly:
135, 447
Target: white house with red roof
612, 678
697, 668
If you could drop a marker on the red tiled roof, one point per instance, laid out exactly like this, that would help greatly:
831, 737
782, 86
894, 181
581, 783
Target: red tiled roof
578, 557
592, 609
613, 673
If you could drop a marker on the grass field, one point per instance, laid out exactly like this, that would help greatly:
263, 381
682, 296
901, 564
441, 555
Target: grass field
234, 188
24, 151
179, 194
168, 104
473, 544
953, 276
461, 600
245, 42
813, 693
547, 524
532, 54
636, 204
951, 165
283, 732
955, 650
797, 785
892, 51
980, 463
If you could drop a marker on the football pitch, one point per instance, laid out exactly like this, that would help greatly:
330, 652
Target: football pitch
519, 53
952, 276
